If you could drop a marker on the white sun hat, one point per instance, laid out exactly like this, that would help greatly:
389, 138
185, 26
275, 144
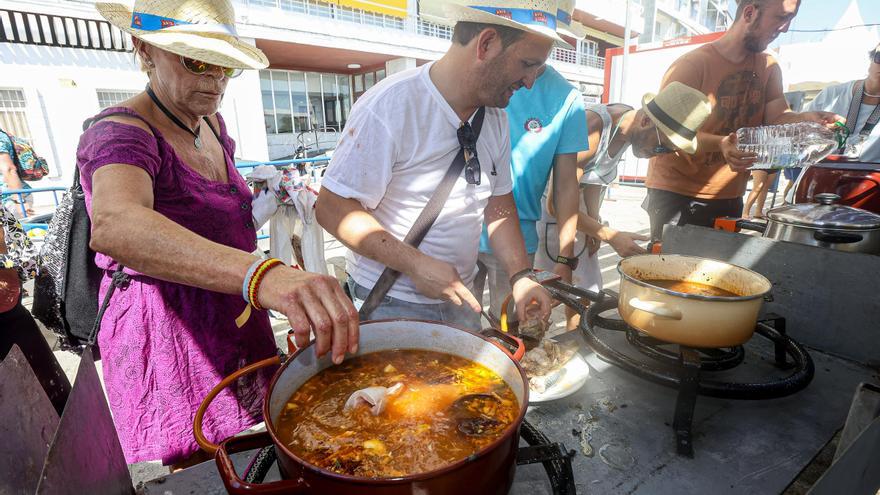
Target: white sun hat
678, 111
199, 29
534, 16
565, 24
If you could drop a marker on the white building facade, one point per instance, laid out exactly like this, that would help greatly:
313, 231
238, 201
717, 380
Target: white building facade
60, 63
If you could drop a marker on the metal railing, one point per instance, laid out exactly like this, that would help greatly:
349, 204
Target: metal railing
577, 58
21, 193
411, 24
57, 30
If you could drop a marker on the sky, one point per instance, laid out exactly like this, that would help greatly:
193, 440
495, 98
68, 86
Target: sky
822, 14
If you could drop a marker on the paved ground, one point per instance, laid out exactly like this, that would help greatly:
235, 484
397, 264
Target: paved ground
622, 208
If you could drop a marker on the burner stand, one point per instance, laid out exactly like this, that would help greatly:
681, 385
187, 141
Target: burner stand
688, 369
555, 458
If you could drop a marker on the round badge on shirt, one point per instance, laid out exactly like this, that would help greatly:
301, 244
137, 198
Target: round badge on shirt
533, 125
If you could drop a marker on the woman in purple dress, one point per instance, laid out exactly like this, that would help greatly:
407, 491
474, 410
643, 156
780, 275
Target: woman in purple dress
166, 202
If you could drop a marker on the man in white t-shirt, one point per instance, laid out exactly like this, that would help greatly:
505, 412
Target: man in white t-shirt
399, 142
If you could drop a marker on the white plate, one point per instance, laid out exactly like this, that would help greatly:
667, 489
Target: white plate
575, 374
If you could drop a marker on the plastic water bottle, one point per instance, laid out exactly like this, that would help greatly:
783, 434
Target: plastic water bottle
787, 145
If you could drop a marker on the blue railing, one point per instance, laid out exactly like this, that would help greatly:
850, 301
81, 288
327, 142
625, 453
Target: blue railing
21, 193
248, 165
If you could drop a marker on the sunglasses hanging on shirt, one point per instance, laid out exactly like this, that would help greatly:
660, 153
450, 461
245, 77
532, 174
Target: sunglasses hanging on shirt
468, 142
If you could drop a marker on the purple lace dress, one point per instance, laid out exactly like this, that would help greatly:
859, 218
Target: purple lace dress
165, 345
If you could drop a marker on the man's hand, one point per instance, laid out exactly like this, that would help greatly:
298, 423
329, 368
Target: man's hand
526, 292
313, 302
738, 160
440, 280
624, 243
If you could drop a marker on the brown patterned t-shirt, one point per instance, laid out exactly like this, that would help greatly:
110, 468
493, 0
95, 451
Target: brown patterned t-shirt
738, 93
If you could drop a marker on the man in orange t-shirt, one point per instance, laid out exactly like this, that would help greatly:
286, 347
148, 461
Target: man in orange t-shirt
744, 86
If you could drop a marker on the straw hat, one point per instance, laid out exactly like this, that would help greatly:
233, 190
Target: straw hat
678, 111
564, 23
534, 16
199, 29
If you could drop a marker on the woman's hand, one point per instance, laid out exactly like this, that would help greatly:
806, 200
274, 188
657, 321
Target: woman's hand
313, 302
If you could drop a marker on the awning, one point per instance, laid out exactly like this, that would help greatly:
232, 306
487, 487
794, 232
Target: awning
396, 8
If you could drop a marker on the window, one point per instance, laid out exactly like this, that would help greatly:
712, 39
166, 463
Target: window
268, 101
316, 103
588, 47
300, 101
343, 90
113, 97
12, 113
331, 100
295, 101
281, 89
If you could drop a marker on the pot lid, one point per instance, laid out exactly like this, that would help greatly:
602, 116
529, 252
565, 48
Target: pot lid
826, 214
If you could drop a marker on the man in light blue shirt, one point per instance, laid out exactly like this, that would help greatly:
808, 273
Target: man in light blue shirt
548, 127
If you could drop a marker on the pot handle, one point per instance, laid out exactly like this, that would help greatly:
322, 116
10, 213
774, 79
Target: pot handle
656, 309
204, 443
506, 343
237, 486
833, 237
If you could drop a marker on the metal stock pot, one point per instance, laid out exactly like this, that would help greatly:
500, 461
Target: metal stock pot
826, 224
489, 471
690, 319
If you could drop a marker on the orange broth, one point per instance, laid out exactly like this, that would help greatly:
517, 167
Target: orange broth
692, 288
420, 429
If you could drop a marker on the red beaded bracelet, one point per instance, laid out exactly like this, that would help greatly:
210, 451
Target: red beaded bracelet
257, 279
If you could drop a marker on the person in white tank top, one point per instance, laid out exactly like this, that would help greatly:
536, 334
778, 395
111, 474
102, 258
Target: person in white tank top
613, 129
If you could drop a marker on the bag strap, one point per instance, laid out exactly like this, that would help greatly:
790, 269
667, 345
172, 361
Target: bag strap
423, 223
852, 115
14, 153
119, 277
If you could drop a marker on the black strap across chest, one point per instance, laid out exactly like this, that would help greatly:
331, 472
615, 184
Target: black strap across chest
424, 221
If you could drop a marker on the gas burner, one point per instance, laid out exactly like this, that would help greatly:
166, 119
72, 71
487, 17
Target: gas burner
690, 369
555, 458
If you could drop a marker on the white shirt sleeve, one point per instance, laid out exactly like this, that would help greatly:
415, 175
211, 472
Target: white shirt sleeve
827, 100
362, 162
504, 182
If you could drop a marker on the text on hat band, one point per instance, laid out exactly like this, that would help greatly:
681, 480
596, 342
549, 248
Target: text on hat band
522, 16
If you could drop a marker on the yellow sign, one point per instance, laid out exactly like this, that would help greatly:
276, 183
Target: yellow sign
396, 8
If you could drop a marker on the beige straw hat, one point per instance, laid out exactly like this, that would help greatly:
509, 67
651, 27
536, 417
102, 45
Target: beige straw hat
199, 29
565, 25
534, 16
678, 111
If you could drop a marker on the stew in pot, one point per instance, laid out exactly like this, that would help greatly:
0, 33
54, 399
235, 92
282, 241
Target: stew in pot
692, 288
429, 409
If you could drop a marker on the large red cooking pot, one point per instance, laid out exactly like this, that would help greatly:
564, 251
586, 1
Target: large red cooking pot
857, 183
489, 471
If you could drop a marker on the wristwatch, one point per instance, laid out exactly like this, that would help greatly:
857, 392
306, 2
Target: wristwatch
571, 262
527, 273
